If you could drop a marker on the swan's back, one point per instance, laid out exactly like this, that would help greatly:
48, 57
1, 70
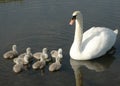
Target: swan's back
97, 41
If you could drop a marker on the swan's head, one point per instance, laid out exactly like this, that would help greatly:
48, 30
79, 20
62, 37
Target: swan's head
75, 15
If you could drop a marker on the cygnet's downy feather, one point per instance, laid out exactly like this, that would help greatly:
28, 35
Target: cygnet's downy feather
12, 53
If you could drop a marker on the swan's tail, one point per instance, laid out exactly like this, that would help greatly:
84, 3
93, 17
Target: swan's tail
116, 31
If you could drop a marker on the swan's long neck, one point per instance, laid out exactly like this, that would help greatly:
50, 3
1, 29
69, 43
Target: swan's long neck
78, 31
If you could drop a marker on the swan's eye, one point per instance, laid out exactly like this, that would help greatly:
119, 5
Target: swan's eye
74, 17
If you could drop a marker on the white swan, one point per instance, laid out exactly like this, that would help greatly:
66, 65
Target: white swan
57, 53
91, 44
55, 66
12, 53
38, 54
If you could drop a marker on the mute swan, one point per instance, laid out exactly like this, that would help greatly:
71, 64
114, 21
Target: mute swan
17, 68
38, 54
91, 44
56, 65
57, 53
12, 53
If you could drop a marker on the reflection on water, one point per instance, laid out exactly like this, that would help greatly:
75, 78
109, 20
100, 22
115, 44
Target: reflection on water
6, 1
98, 65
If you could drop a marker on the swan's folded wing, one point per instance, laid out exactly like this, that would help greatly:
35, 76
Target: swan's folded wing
97, 41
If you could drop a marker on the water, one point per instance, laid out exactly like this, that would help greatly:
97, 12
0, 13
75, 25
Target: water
39, 23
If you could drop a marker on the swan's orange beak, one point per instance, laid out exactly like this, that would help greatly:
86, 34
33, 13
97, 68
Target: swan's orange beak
72, 21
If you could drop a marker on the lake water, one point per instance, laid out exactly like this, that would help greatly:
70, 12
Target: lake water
44, 23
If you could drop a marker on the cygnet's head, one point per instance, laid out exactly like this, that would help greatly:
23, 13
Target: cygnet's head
44, 50
28, 50
60, 53
60, 50
14, 47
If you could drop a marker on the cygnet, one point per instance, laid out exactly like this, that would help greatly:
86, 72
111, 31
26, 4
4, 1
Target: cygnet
57, 53
39, 64
23, 58
17, 68
36, 65
55, 66
12, 53
38, 54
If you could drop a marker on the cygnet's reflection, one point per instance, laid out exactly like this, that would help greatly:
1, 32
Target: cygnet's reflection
98, 65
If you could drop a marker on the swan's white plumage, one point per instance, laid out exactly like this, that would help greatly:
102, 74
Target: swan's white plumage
95, 42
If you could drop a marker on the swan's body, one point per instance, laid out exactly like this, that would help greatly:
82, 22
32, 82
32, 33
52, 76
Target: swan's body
93, 43
12, 53
38, 54
55, 66
56, 53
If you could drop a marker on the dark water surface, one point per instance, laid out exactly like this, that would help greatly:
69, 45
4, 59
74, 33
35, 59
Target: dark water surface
44, 23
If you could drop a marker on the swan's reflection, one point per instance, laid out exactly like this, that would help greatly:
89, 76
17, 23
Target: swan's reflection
98, 65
